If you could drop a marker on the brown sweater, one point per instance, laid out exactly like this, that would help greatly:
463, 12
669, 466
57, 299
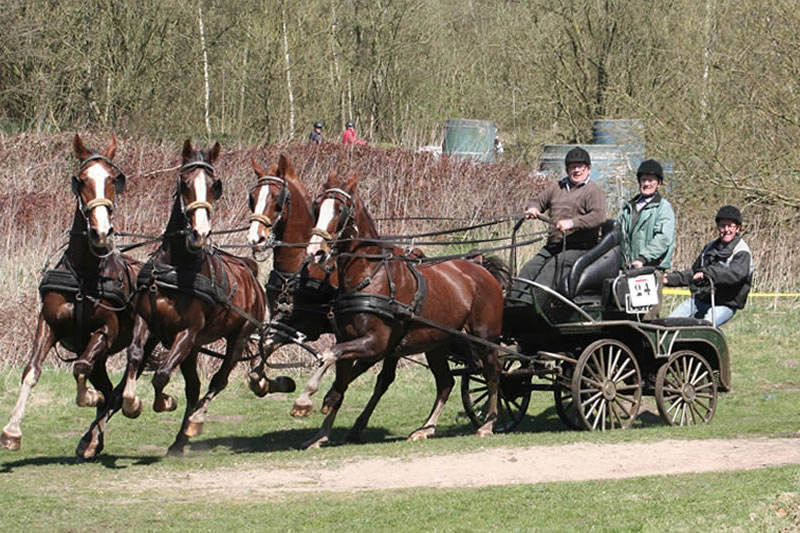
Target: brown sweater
584, 204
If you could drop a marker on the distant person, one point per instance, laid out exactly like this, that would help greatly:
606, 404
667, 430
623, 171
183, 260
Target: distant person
648, 227
350, 135
498, 147
727, 262
577, 207
316, 134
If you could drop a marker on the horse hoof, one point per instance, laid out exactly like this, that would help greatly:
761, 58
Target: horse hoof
88, 449
193, 429
421, 434
314, 444
90, 398
301, 410
132, 408
164, 403
259, 386
485, 433
282, 384
11, 443
175, 451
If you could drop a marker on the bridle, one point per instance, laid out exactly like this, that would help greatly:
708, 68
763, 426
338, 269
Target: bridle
86, 208
282, 201
187, 210
346, 218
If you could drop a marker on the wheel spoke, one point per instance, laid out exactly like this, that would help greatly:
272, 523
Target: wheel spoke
622, 407
704, 386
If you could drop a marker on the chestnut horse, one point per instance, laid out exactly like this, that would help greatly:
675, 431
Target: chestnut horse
192, 295
299, 293
86, 299
281, 218
388, 307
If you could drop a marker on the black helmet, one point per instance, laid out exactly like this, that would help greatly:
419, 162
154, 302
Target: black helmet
349, 124
318, 124
650, 166
729, 212
578, 155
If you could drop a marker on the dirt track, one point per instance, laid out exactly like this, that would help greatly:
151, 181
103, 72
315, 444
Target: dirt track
502, 466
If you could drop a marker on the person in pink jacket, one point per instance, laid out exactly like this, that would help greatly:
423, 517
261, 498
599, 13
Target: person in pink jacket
350, 135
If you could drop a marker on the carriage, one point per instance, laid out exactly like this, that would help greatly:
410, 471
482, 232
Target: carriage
589, 343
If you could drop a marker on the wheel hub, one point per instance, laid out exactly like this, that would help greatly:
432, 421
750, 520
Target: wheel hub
609, 390
688, 392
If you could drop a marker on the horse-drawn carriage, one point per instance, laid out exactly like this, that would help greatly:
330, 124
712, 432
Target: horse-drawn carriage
589, 344
586, 341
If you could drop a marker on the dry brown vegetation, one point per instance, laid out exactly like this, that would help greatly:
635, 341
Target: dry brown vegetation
37, 206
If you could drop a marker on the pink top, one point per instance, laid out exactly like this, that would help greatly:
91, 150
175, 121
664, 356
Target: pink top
350, 137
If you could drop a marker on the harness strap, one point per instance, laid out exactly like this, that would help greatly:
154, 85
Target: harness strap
322, 233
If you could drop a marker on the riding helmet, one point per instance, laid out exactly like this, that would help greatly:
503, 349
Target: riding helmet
578, 155
318, 124
349, 124
729, 212
650, 166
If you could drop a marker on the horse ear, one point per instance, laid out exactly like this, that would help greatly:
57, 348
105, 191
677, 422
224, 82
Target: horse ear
187, 150
332, 181
112, 147
259, 170
285, 168
214, 153
81, 152
350, 186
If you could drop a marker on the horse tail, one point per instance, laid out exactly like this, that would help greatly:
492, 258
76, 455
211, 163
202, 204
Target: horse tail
498, 268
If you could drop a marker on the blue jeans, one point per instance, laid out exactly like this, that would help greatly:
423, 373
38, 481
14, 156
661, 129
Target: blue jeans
696, 308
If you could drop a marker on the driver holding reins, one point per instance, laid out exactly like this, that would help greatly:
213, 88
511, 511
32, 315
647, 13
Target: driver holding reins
577, 207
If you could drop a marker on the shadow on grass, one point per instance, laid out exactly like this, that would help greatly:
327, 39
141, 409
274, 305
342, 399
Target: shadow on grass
108, 461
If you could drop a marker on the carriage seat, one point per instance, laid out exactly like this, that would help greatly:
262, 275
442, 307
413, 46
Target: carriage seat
599, 263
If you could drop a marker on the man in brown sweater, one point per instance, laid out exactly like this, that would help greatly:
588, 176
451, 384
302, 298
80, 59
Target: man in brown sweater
578, 208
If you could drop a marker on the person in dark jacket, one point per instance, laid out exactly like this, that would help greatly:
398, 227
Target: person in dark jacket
316, 134
728, 263
577, 206
647, 224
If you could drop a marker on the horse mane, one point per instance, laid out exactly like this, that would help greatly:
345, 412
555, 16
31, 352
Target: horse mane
363, 216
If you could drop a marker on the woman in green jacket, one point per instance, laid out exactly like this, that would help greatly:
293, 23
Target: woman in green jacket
648, 226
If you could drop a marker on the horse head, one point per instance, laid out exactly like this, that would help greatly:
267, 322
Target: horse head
269, 202
96, 185
335, 211
198, 189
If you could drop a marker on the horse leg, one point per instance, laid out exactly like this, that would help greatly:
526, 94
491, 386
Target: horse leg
384, 379
181, 346
343, 379
92, 442
83, 368
258, 381
437, 362
234, 348
303, 404
137, 355
359, 368
11, 438
192, 390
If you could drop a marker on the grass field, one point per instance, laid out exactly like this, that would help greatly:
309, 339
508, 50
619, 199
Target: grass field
42, 487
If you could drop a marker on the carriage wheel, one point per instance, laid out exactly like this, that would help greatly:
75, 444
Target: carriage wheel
512, 400
607, 386
686, 393
565, 407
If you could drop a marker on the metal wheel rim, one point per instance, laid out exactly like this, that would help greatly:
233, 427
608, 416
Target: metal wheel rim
475, 394
565, 406
686, 391
607, 386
